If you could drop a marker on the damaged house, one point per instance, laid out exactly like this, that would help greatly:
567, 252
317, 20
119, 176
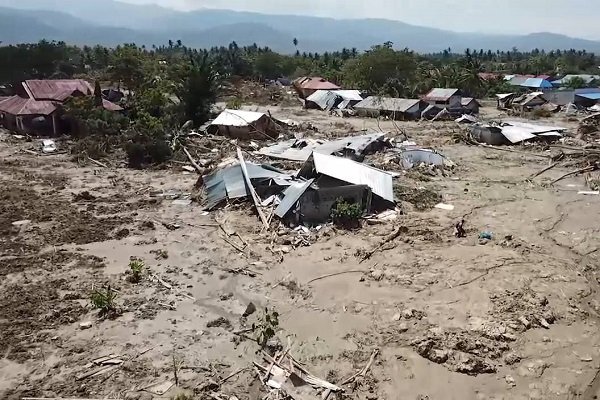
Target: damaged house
37, 106
330, 99
329, 179
305, 86
515, 132
394, 108
245, 125
470, 105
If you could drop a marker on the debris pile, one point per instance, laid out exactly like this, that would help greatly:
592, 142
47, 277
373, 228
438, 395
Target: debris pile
515, 132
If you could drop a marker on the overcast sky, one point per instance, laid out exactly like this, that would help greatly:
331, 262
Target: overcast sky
571, 17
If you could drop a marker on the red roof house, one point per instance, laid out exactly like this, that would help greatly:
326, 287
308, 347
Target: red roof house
39, 100
306, 86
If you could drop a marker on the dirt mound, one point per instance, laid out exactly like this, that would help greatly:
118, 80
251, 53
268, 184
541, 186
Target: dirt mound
29, 310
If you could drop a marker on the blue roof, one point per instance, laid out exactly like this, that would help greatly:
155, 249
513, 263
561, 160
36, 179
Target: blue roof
537, 83
590, 96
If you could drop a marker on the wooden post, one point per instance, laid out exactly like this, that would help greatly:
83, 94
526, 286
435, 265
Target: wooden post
54, 125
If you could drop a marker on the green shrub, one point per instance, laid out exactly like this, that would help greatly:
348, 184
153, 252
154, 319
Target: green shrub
136, 267
266, 328
234, 103
104, 300
345, 214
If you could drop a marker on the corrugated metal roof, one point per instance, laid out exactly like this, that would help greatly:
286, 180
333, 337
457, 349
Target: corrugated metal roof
290, 196
390, 104
327, 99
537, 83
237, 118
465, 101
229, 182
350, 171
503, 96
517, 131
439, 94
300, 150
586, 77
17, 105
590, 96
517, 80
55, 89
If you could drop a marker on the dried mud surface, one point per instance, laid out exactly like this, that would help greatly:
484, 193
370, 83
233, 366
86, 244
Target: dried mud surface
515, 317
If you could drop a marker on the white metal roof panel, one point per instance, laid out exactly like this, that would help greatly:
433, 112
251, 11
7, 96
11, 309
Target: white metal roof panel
350, 171
237, 118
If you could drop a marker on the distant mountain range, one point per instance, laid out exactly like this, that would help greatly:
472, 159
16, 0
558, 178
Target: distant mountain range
110, 22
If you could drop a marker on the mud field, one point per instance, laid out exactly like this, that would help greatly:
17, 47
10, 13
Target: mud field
515, 317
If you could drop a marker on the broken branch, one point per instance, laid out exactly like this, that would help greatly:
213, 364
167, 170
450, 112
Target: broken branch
194, 164
354, 271
579, 171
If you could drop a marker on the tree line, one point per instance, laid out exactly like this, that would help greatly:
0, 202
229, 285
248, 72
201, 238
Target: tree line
381, 69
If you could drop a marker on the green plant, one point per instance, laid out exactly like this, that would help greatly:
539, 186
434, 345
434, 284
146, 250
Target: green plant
137, 269
266, 327
346, 214
234, 103
104, 300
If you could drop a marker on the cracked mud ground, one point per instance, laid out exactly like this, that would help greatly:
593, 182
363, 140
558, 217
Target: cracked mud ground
511, 318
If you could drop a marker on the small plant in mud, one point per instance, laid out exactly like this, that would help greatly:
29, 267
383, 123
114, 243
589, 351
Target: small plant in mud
136, 267
346, 214
266, 327
104, 300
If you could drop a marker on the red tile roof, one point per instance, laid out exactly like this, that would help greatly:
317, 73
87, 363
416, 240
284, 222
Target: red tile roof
17, 105
56, 89
316, 83
111, 106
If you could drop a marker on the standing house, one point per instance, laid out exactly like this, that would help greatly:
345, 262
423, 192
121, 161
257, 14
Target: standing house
537, 84
36, 107
306, 86
403, 109
245, 125
470, 105
444, 98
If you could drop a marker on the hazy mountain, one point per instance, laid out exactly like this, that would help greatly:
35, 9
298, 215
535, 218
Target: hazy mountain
110, 22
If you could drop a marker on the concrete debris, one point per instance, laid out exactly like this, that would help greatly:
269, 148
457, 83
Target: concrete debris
48, 146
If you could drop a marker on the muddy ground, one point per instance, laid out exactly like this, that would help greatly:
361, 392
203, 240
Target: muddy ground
515, 317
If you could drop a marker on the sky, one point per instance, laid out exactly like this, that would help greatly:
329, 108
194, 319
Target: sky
571, 17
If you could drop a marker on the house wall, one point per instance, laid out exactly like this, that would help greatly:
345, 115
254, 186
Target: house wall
256, 131
472, 108
316, 205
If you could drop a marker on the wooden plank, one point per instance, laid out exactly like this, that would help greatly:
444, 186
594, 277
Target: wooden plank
262, 216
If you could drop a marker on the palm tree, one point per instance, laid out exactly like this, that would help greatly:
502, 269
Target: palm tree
295, 41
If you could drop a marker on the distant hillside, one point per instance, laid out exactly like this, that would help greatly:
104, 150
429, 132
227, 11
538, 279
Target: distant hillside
110, 22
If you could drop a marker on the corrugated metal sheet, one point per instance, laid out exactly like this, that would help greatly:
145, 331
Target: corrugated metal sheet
291, 195
590, 96
389, 104
16, 105
229, 182
110, 106
237, 118
300, 150
439, 94
517, 80
537, 83
586, 78
503, 96
350, 171
466, 101
54, 89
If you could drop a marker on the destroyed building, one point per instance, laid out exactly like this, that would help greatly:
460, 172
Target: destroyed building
444, 98
394, 108
330, 99
515, 132
245, 125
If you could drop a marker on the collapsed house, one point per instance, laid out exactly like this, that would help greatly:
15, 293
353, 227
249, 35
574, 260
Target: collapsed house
354, 147
394, 108
305, 86
37, 105
330, 99
329, 179
514, 132
245, 125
